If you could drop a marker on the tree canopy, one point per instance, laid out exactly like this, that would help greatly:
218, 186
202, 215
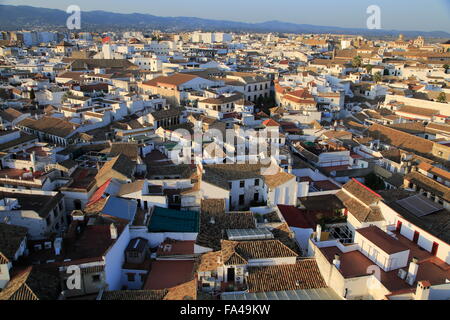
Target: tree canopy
357, 62
374, 182
442, 97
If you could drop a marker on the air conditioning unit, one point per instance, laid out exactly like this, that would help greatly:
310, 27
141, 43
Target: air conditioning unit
402, 274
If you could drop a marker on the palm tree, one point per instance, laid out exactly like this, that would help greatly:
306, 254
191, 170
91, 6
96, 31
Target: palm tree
377, 77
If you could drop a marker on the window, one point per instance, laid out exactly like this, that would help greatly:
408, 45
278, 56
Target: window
96, 278
130, 277
256, 196
242, 184
241, 199
256, 182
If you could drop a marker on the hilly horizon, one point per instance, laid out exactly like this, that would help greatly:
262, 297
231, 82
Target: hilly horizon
23, 17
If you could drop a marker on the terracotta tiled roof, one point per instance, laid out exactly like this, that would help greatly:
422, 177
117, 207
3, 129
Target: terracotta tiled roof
11, 237
212, 206
211, 233
429, 184
128, 188
134, 295
336, 134
185, 291
271, 123
401, 139
222, 99
121, 165
129, 149
418, 111
53, 126
303, 275
175, 80
209, 261
32, 283
239, 252
361, 192
275, 180
360, 211
434, 170
10, 114
286, 236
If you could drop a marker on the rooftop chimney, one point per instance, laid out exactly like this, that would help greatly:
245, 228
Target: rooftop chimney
33, 158
318, 232
113, 230
423, 290
337, 261
412, 271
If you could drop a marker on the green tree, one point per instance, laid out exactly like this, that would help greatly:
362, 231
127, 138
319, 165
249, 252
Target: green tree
65, 96
374, 182
377, 77
446, 67
259, 102
369, 68
357, 62
442, 98
32, 94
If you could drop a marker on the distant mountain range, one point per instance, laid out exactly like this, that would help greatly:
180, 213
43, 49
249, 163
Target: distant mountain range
27, 17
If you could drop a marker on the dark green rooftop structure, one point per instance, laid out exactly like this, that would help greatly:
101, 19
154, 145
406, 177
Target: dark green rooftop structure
170, 220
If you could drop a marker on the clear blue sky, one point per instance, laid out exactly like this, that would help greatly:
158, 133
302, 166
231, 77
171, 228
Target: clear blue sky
423, 15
